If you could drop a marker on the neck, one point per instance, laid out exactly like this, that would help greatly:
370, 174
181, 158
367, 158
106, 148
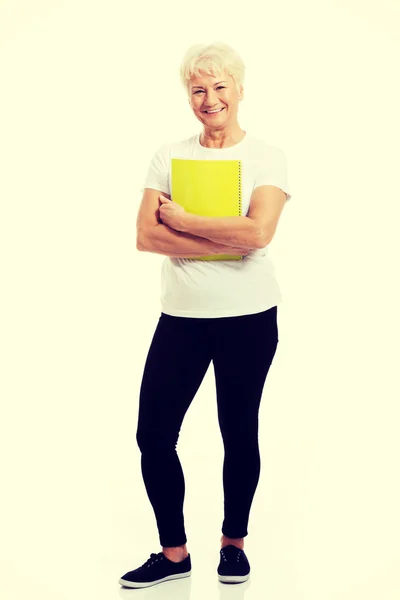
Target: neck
211, 138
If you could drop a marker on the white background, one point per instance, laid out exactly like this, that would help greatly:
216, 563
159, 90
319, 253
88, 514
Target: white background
89, 90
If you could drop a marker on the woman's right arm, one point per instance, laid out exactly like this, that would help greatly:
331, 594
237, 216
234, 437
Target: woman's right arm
162, 239
152, 235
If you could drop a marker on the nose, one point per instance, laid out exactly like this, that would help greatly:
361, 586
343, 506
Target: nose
210, 100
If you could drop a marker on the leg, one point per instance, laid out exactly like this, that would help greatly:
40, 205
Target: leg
177, 361
226, 541
244, 348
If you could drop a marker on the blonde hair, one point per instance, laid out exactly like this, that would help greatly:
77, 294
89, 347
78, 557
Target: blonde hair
211, 59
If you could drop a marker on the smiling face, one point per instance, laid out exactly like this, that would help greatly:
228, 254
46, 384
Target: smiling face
218, 92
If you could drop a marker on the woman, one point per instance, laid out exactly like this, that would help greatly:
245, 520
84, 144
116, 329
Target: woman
222, 311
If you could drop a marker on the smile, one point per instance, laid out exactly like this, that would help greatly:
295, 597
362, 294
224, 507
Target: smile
214, 113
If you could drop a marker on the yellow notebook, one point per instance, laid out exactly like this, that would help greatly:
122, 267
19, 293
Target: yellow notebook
210, 188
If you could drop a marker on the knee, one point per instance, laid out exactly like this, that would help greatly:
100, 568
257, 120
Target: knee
155, 440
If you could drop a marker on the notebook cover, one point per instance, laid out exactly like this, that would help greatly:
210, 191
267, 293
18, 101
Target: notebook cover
210, 188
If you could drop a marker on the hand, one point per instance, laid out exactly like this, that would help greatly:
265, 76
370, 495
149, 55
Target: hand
172, 214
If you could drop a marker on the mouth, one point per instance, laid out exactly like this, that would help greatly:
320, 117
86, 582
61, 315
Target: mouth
214, 113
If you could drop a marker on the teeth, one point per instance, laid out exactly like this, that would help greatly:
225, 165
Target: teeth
213, 111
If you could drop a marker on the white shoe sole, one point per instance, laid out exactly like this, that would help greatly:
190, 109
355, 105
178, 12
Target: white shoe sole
233, 578
143, 584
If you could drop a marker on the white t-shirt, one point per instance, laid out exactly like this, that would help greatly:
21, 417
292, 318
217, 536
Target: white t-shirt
204, 289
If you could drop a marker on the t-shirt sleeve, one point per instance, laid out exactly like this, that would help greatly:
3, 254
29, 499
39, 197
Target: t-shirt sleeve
272, 169
158, 171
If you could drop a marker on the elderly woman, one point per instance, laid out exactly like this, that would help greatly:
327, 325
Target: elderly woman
224, 311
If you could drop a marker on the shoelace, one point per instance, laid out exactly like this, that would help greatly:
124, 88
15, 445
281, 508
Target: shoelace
237, 557
153, 558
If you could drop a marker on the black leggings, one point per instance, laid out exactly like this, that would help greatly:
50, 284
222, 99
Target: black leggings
242, 349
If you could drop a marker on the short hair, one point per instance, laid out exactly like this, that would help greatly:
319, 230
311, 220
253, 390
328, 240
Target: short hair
211, 59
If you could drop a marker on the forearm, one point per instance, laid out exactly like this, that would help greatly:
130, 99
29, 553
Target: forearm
230, 231
178, 244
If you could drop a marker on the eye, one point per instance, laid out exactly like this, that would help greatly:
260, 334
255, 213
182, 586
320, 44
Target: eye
220, 86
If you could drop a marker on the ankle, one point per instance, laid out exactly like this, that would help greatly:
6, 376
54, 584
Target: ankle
176, 552
226, 541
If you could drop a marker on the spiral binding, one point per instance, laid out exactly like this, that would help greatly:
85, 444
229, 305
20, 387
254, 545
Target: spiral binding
240, 191
240, 187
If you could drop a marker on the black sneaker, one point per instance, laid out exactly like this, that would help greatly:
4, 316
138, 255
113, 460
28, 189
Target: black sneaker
233, 565
156, 569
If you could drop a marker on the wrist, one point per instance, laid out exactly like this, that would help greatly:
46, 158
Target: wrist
186, 222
